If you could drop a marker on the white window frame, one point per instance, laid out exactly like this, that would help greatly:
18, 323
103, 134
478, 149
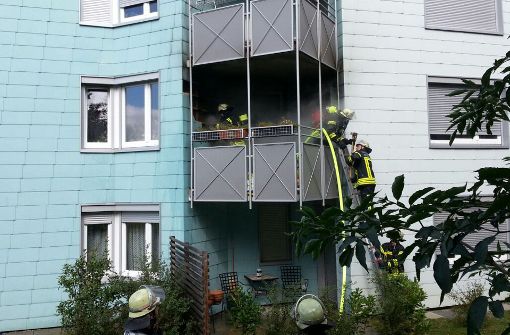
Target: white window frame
148, 142
146, 15
117, 15
117, 112
501, 142
117, 234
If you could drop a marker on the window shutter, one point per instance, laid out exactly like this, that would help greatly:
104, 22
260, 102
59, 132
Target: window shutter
96, 12
462, 15
126, 3
102, 218
440, 106
142, 217
473, 239
274, 224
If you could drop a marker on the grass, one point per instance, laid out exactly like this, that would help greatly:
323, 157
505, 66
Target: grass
492, 326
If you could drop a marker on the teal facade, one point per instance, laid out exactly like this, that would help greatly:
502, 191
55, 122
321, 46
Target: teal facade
45, 178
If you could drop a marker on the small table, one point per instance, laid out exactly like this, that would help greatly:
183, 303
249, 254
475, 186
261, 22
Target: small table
260, 283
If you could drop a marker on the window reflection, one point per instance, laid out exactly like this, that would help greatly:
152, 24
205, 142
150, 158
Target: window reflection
135, 113
135, 10
153, 6
97, 115
155, 120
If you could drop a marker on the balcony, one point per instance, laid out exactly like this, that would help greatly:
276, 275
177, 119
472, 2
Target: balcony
276, 62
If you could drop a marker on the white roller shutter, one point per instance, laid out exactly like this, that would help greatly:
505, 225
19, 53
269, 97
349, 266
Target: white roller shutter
440, 106
96, 12
126, 3
480, 16
142, 217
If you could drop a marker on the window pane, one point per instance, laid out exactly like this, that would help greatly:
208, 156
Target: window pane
155, 112
155, 243
153, 6
97, 115
133, 10
135, 111
275, 244
97, 238
135, 244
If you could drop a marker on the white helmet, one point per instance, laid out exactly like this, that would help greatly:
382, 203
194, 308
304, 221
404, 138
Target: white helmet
363, 143
308, 311
347, 113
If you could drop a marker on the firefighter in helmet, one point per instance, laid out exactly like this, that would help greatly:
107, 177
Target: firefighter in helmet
335, 123
228, 117
390, 255
309, 313
364, 176
143, 311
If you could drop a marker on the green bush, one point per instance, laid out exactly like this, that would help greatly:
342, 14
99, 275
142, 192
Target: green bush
277, 319
463, 298
400, 301
244, 311
97, 298
360, 309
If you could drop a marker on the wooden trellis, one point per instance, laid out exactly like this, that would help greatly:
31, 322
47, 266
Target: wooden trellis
190, 268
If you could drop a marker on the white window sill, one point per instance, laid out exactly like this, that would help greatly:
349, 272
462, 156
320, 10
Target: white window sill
111, 151
120, 24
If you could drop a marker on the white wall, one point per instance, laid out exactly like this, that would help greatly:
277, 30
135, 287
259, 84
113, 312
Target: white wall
387, 55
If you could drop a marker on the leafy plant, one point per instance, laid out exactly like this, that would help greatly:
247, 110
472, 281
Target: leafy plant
277, 319
244, 311
400, 301
355, 319
464, 298
97, 298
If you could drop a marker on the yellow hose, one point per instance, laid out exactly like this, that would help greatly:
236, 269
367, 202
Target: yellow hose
341, 302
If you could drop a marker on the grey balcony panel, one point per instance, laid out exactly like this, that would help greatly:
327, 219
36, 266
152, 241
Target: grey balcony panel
330, 185
218, 35
311, 186
308, 40
274, 172
220, 174
271, 26
328, 41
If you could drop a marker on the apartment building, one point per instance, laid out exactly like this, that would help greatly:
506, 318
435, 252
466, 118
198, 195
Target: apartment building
110, 135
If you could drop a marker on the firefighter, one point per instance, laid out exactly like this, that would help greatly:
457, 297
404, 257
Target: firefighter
227, 116
364, 176
390, 255
143, 311
309, 314
335, 124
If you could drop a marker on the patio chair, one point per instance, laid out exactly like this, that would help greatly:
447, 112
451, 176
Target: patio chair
293, 285
229, 283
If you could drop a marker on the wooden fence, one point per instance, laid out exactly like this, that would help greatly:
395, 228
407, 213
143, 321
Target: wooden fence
190, 268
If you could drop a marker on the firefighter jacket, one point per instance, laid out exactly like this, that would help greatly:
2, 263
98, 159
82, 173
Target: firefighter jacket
362, 164
391, 255
229, 117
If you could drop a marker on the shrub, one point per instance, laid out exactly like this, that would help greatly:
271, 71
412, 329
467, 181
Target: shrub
463, 298
400, 300
244, 311
277, 319
97, 298
360, 309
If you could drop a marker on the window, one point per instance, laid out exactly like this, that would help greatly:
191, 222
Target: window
109, 13
120, 113
476, 16
137, 9
129, 235
275, 244
440, 106
473, 239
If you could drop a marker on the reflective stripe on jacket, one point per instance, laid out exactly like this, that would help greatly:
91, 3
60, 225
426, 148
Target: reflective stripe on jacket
362, 164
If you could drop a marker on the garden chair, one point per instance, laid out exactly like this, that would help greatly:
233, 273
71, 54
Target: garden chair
293, 285
229, 283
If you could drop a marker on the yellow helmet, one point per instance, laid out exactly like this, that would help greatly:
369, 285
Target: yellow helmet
347, 113
142, 302
331, 109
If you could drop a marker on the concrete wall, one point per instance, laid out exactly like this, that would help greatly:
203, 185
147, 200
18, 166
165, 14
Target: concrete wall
44, 177
387, 55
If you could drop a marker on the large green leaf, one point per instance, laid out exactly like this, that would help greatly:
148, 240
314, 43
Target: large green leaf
418, 194
360, 255
482, 249
497, 309
476, 315
398, 186
442, 274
